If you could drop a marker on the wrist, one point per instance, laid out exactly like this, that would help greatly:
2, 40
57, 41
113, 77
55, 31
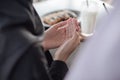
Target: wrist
60, 59
60, 56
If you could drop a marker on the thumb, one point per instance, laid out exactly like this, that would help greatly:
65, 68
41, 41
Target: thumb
62, 29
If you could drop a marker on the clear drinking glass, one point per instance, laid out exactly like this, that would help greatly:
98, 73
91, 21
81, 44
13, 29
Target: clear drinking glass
88, 16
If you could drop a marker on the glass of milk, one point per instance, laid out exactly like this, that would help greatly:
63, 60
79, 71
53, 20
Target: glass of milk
88, 17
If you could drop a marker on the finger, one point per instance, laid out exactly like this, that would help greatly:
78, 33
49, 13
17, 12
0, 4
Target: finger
68, 28
62, 32
60, 24
75, 22
76, 38
76, 35
73, 28
77, 25
69, 19
62, 29
67, 31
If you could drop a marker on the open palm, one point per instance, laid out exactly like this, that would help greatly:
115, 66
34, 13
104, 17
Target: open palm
54, 36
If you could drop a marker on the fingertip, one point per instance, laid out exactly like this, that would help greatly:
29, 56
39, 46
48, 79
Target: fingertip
75, 34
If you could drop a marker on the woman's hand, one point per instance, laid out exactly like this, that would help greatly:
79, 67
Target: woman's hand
73, 39
54, 36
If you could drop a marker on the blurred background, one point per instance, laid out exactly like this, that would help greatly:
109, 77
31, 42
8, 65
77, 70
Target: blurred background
48, 8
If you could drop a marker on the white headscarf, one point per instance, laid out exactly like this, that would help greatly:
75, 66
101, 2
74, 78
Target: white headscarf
100, 59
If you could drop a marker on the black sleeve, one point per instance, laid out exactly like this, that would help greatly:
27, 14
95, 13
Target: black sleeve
48, 58
32, 66
56, 68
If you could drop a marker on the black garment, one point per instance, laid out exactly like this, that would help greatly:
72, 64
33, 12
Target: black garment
20, 58
31, 67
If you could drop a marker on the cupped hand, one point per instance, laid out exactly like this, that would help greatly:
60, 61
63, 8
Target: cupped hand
54, 36
73, 39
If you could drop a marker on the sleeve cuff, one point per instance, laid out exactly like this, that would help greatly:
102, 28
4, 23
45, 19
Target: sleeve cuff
59, 69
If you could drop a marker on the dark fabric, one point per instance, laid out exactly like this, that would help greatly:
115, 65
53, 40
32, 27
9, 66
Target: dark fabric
58, 70
20, 29
18, 13
30, 66
49, 58
13, 44
17, 58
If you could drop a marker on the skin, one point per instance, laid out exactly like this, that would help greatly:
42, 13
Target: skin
54, 36
72, 41
65, 36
